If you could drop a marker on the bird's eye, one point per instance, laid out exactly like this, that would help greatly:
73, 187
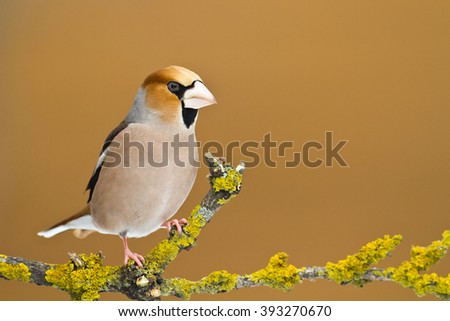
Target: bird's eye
173, 86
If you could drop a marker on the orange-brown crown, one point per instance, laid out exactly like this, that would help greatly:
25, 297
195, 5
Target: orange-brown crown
159, 98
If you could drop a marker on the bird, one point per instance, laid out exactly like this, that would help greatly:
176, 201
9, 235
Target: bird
147, 164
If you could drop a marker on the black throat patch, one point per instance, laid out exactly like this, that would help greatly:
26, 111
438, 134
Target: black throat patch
189, 115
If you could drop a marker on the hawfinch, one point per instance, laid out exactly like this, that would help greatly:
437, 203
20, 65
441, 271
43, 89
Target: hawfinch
148, 163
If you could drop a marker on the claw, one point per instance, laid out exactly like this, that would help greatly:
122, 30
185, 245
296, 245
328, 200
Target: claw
137, 258
177, 223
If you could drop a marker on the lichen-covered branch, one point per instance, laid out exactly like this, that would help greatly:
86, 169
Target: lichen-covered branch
355, 269
84, 277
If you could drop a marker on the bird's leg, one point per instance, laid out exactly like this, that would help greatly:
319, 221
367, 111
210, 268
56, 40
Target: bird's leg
139, 259
177, 223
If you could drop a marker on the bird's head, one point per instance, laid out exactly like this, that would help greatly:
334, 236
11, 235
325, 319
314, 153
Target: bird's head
176, 93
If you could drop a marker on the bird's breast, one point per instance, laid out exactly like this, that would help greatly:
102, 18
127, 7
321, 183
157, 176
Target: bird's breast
145, 178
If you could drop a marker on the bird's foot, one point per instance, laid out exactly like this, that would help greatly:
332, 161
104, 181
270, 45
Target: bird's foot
177, 223
139, 259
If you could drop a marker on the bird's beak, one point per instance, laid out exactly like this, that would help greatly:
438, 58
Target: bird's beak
198, 96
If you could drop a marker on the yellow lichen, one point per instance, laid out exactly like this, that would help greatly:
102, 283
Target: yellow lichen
216, 282
302, 270
423, 257
195, 223
278, 274
18, 272
167, 250
408, 274
229, 182
164, 253
222, 201
82, 283
354, 266
180, 287
191, 231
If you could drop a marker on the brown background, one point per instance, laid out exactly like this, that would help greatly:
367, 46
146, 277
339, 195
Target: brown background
374, 73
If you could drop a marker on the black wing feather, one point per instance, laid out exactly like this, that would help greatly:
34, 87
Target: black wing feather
91, 184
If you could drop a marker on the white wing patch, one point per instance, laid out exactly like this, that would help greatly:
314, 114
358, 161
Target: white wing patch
101, 159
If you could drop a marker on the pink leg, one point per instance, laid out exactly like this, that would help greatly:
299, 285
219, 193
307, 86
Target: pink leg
177, 223
139, 259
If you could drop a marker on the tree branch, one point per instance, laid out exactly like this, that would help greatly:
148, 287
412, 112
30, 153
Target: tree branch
84, 277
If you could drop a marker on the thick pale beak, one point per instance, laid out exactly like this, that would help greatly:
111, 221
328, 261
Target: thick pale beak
198, 96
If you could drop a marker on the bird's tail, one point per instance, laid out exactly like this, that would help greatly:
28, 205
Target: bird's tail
81, 222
